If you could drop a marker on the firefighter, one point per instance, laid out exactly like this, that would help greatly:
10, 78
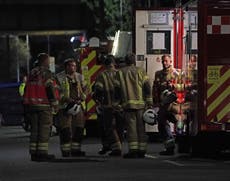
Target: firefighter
192, 73
21, 91
163, 83
40, 98
191, 93
110, 120
134, 96
71, 126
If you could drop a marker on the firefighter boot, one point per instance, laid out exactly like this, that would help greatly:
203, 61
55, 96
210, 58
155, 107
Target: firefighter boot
42, 157
65, 139
169, 147
104, 150
168, 151
76, 143
115, 153
116, 149
141, 153
131, 154
78, 153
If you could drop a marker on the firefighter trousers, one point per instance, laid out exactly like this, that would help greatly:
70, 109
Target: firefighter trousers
71, 131
136, 136
41, 121
111, 129
164, 128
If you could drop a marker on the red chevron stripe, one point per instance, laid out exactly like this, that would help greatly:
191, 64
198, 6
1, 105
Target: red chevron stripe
225, 119
92, 109
92, 63
223, 70
213, 114
220, 89
93, 77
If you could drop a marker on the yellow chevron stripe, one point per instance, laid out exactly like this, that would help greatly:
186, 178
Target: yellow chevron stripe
94, 69
93, 116
216, 85
89, 58
223, 112
218, 100
90, 104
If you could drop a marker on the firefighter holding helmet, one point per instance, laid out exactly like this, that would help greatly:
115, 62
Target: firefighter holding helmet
163, 97
71, 114
135, 96
40, 99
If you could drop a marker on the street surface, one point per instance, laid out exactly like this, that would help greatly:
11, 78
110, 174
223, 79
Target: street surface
15, 164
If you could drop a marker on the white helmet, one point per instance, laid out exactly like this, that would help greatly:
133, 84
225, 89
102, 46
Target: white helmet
150, 116
73, 108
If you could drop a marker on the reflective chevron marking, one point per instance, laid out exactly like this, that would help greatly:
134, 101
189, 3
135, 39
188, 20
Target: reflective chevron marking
218, 93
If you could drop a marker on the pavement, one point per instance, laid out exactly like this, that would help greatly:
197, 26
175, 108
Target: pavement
15, 163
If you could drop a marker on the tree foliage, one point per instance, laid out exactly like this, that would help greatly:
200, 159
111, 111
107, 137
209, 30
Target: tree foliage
111, 15
19, 54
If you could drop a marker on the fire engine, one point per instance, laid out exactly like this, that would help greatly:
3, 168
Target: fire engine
200, 28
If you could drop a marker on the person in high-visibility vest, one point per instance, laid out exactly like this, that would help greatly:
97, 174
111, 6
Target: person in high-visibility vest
22, 86
21, 90
110, 123
134, 97
71, 127
40, 98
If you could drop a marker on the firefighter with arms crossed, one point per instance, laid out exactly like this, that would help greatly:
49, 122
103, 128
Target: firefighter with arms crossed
134, 96
73, 92
40, 99
104, 94
163, 84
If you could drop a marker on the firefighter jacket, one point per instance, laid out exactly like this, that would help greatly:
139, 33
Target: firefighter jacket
41, 89
164, 79
104, 90
191, 78
134, 86
73, 89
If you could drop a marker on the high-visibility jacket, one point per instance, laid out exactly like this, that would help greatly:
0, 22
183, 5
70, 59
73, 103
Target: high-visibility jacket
104, 88
134, 86
21, 88
41, 88
72, 88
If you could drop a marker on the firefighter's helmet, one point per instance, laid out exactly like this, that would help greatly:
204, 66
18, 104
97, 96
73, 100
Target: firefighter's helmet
150, 116
73, 108
168, 97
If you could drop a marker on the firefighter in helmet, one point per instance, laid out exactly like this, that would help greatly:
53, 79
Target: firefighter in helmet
72, 106
162, 98
40, 99
105, 97
134, 96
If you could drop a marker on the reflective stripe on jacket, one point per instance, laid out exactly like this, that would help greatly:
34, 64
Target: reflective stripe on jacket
104, 84
71, 88
40, 88
133, 82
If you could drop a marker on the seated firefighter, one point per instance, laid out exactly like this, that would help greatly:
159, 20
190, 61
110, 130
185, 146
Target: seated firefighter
163, 96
